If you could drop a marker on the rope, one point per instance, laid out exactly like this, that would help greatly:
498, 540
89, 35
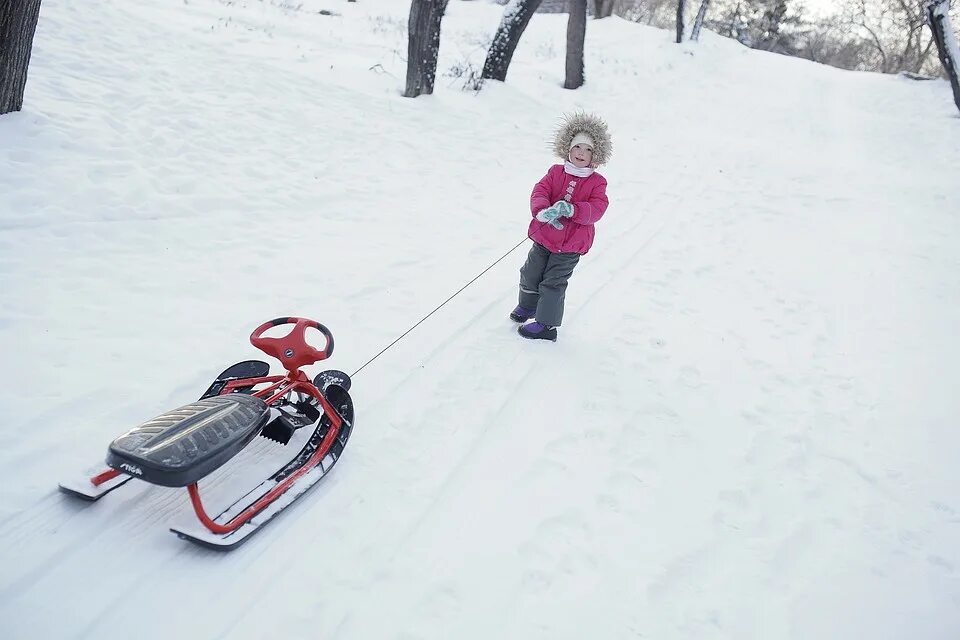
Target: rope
441, 305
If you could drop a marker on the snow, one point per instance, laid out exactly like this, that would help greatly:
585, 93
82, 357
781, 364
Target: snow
747, 428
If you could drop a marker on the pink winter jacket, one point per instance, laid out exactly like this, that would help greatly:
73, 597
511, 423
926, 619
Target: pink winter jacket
589, 199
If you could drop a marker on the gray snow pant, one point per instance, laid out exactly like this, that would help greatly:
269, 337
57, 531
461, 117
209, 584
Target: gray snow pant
543, 283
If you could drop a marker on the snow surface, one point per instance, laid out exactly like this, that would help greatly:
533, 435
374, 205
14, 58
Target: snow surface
749, 425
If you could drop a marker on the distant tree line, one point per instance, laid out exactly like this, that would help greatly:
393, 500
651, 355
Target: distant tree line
887, 36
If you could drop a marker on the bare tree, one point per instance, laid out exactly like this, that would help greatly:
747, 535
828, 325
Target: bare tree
18, 24
769, 25
829, 41
423, 30
576, 37
938, 13
698, 22
660, 13
681, 8
914, 53
602, 9
515, 19
896, 31
773, 17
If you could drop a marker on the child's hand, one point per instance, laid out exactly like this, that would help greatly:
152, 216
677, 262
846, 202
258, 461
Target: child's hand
564, 208
550, 215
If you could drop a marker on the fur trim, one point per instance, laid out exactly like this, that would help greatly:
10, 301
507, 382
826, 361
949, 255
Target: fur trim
593, 126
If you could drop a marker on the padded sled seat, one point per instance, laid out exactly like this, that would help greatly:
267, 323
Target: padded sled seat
182, 446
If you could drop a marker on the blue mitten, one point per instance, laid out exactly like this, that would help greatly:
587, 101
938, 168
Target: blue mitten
564, 208
550, 215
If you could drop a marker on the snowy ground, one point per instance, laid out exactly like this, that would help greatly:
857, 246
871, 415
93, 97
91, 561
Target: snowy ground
748, 428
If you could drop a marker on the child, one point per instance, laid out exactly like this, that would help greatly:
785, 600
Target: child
565, 204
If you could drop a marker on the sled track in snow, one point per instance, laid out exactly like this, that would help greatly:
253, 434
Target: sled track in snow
491, 420
140, 511
137, 511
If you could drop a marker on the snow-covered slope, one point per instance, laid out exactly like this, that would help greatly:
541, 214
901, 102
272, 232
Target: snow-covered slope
748, 428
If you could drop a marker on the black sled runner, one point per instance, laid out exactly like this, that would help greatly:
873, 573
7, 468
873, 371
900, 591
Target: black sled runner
181, 447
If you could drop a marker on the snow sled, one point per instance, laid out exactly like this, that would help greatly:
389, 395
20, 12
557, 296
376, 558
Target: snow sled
181, 447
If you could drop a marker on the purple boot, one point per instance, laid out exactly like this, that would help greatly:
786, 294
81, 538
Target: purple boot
522, 314
537, 331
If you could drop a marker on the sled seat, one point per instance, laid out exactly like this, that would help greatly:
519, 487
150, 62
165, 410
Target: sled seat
182, 446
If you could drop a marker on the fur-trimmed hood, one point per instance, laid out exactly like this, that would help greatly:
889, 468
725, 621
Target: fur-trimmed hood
587, 123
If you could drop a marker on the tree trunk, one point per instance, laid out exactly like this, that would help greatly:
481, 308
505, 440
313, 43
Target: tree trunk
938, 13
602, 9
698, 23
515, 19
423, 30
576, 36
924, 55
681, 5
18, 23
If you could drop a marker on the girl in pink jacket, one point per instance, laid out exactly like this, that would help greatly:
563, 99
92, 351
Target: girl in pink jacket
565, 205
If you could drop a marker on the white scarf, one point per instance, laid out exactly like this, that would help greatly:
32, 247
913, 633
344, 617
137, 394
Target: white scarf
574, 170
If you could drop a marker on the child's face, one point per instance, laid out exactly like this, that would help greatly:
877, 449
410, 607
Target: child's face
581, 156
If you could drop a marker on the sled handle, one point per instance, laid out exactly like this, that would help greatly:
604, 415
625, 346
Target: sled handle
292, 350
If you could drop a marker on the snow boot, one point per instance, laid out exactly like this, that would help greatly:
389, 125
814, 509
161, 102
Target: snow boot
537, 331
522, 314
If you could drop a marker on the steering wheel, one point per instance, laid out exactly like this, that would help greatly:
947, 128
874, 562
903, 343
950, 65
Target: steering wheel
292, 350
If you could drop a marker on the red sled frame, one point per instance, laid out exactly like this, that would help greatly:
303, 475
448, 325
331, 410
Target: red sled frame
280, 386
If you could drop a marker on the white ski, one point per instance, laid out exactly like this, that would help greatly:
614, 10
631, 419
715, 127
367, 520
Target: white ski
195, 531
82, 486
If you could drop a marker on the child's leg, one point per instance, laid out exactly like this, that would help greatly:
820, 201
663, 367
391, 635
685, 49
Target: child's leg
553, 287
531, 274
